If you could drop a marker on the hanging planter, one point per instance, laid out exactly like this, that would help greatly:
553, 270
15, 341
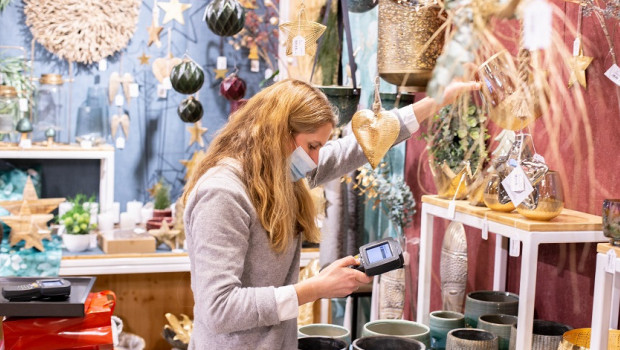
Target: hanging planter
359, 6
225, 17
190, 110
233, 87
187, 77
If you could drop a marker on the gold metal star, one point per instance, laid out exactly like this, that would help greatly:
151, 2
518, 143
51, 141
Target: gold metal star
220, 73
165, 235
174, 10
144, 59
30, 202
310, 31
190, 164
195, 134
154, 31
577, 66
155, 188
33, 237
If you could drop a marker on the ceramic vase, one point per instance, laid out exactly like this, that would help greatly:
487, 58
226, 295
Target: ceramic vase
320, 343
76, 243
441, 322
488, 302
499, 325
324, 330
453, 267
392, 294
399, 328
471, 339
387, 343
546, 335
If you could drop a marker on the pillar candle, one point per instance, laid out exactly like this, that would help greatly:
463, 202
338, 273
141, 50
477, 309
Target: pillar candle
146, 214
106, 221
127, 221
116, 212
63, 208
134, 209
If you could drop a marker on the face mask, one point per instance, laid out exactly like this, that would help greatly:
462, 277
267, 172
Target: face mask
301, 164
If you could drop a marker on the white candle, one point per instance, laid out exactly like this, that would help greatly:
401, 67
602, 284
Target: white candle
63, 208
93, 209
134, 209
106, 221
146, 214
116, 212
127, 221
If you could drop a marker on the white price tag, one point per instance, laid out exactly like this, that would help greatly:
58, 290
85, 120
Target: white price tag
119, 100
451, 210
25, 143
23, 104
1, 79
613, 73
134, 90
268, 73
162, 92
515, 247
221, 62
103, 65
255, 66
299, 46
167, 83
537, 25
517, 196
120, 143
86, 144
156, 11
485, 229
610, 267
538, 158
576, 46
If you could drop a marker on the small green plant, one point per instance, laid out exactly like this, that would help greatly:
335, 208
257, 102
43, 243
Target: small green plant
77, 220
162, 195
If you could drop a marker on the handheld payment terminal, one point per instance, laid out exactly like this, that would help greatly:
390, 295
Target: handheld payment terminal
54, 288
380, 257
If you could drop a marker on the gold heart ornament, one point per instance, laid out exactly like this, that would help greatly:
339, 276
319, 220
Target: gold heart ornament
376, 130
163, 66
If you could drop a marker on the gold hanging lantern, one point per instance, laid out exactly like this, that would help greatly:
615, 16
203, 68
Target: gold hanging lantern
409, 44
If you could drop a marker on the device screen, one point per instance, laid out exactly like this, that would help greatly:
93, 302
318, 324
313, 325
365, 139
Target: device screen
51, 284
379, 253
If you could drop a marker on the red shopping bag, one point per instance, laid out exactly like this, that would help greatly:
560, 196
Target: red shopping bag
91, 332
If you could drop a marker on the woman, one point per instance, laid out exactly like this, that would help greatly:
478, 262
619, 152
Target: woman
247, 212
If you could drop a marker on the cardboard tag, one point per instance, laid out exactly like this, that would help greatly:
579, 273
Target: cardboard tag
576, 46
517, 196
120, 142
613, 73
538, 158
268, 73
86, 144
451, 209
515, 247
167, 83
221, 62
23, 104
156, 11
162, 92
134, 90
485, 229
25, 143
299, 46
255, 66
610, 267
119, 100
537, 25
103, 65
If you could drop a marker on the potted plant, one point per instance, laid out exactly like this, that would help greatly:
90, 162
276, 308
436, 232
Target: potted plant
161, 206
77, 224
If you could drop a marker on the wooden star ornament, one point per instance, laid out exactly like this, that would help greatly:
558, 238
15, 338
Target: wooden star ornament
195, 133
30, 203
33, 237
578, 65
144, 59
174, 11
154, 32
165, 235
308, 30
220, 73
190, 164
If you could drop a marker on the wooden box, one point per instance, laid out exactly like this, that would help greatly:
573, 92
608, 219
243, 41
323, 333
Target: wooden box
126, 242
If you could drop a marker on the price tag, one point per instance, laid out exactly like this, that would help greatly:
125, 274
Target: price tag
299, 46
134, 90
1, 79
167, 83
613, 73
512, 162
119, 100
103, 65
162, 92
538, 158
25, 143
23, 104
268, 73
156, 11
120, 142
485, 229
517, 194
86, 144
576, 46
610, 267
451, 209
221, 62
515, 247
255, 66
537, 25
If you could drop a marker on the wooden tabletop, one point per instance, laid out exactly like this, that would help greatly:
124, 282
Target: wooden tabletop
568, 220
605, 247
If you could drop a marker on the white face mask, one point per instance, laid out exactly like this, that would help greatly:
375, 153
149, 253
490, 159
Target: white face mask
301, 164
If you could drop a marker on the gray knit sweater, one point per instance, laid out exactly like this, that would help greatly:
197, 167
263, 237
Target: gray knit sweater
233, 269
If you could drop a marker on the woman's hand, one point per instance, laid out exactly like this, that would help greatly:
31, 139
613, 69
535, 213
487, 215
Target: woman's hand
428, 107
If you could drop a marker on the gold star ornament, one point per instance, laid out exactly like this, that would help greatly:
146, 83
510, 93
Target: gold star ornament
154, 31
144, 59
578, 65
220, 73
174, 10
308, 30
195, 133
192, 163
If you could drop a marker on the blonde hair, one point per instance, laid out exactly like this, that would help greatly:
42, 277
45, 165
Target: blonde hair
259, 136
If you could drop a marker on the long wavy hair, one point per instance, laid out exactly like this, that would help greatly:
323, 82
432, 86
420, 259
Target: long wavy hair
259, 136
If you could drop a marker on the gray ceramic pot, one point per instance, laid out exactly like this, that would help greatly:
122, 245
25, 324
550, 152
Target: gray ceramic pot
320, 343
499, 325
345, 98
546, 335
325, 330
387, 343
399, 328
441, 322
471, 339
488, 302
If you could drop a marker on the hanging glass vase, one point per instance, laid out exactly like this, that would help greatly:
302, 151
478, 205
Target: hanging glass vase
9, 113
50, 102
91, 124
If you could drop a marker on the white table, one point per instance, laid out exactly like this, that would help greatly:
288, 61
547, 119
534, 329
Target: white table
606, 294
104, 153
510, 229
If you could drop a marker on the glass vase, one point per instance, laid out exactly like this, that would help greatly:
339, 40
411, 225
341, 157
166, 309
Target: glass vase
9, 113
550, 199
611, 220
50, 101
92, 118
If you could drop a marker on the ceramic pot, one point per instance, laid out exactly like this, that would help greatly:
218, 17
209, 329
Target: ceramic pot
453, 267
325, 330
499, 325
320, 343
489, 302
155, 223
76, 243
546, 335
399, 328
611, 220
471, 339
579, 339
549, 196
345, 99
388, 101
387, 343
441, 322
491, 194
359, 6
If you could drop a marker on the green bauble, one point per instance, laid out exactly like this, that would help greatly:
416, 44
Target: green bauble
225, 17
24, 125
190, 110
187, 77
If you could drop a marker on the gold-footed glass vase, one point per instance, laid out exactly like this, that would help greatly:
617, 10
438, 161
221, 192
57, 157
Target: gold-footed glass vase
450, 183
491, 194
550, 198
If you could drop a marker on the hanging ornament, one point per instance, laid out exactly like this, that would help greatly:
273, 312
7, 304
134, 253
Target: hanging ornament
115, 82
225, 17
195, 134
190, 110
163, 65
376, 130
220, 73
187, 77
302, 35
578, 63
174, 11
154, 29
122, 121
144, 59
191, 163
233, 87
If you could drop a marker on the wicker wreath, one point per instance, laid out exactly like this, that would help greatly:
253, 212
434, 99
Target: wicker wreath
82, 31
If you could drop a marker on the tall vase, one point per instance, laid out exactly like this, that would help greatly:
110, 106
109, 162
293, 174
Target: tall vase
453, 267
92, 118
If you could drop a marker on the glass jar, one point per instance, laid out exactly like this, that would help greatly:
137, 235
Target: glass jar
9, 113
50, 102
92, 117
